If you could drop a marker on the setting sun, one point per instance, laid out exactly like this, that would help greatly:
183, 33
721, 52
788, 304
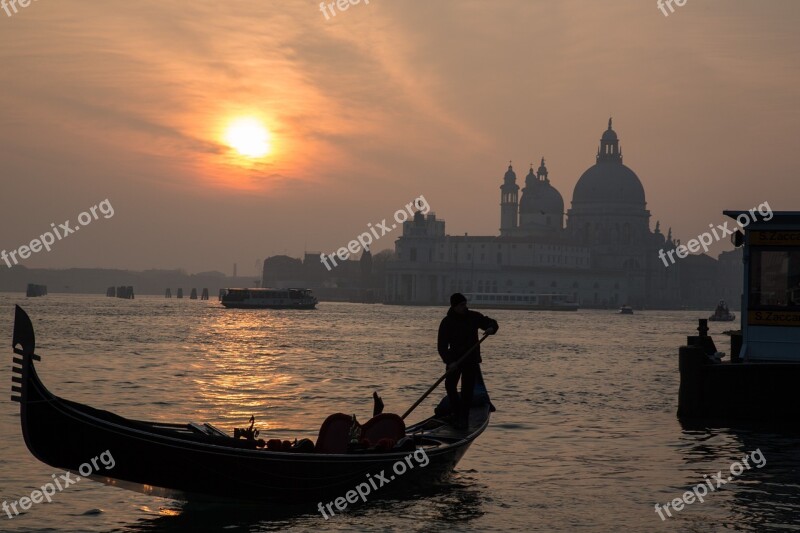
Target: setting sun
249, 137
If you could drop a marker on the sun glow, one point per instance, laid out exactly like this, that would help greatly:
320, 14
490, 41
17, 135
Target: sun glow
248, 137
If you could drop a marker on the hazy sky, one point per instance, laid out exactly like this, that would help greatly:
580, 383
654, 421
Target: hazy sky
130, 101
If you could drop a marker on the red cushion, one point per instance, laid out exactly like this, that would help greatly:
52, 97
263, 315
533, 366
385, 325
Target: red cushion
384, 426
334, 434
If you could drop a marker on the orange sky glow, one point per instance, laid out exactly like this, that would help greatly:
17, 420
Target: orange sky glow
132, 101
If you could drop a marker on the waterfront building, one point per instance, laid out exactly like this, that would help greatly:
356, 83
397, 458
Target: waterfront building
603, 254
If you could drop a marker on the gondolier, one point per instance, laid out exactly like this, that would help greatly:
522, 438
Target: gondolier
458, 333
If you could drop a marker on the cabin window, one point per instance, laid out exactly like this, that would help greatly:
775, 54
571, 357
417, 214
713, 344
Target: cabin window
774, 278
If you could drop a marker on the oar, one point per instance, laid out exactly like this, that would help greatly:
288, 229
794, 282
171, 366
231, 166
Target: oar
449, 371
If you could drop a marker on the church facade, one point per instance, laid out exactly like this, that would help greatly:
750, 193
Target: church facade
601, 252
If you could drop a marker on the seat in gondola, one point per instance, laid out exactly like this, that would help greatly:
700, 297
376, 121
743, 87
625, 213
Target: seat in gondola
334, 434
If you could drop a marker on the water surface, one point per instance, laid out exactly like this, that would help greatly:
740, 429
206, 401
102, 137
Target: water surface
585, 437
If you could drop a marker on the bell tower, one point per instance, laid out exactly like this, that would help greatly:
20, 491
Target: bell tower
509, 202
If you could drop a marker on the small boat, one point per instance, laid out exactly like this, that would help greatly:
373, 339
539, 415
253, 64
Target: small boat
268, 298
626, 310
202, 463
533, 302
722, 314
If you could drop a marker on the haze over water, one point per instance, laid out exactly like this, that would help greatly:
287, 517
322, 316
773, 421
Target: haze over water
585, 436
151, 104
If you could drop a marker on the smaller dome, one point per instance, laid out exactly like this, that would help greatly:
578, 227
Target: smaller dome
539, 197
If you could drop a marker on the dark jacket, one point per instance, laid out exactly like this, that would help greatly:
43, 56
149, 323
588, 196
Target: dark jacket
459, 333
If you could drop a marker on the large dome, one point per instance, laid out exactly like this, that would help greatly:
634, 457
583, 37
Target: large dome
609, 182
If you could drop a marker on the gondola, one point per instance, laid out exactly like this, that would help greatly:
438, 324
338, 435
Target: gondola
201, 463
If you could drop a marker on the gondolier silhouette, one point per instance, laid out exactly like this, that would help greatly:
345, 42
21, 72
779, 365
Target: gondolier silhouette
458, 333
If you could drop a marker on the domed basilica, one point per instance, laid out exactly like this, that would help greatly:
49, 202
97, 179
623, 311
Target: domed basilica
605, 255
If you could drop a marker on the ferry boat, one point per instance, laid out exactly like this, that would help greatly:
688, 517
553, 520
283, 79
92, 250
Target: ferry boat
757, 385
536, 302
268, 298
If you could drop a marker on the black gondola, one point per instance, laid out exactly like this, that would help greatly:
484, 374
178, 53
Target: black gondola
192, 462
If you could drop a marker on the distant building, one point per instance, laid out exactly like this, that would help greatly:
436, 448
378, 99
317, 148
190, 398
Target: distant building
355, 280
605, 256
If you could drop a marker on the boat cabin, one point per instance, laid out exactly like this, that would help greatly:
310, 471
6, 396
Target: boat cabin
266, 298
771, 300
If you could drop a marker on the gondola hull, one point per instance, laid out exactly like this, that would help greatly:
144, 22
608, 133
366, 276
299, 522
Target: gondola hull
168, 460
